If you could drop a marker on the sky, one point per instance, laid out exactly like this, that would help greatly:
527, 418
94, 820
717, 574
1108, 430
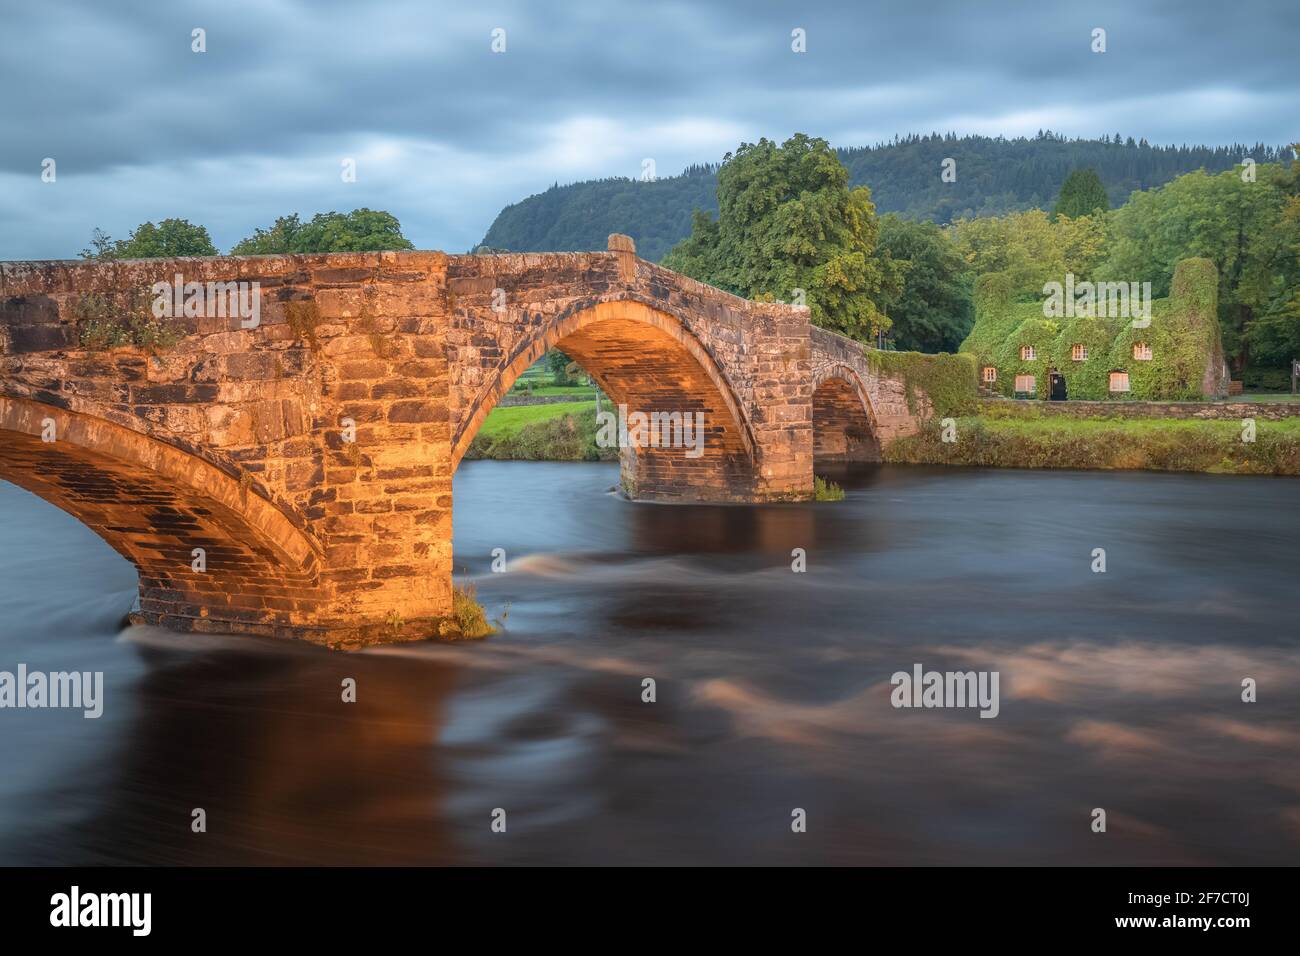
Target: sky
444, 131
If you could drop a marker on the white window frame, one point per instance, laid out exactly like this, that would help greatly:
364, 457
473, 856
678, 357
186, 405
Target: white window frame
1079, 352
1110, 381
1028, 353
1142, 351
1030, 380
990, 374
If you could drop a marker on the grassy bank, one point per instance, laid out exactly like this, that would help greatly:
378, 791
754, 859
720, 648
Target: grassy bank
1104, 443
564, 431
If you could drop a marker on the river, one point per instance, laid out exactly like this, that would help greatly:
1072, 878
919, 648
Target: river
1118, 690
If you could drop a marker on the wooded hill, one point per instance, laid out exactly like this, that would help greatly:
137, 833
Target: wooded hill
994, 175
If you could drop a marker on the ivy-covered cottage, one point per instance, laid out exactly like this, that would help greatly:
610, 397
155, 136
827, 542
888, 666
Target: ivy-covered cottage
1101, 342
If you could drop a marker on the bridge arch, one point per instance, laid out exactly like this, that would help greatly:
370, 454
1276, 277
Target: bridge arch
650, 361
154, 504
845, 428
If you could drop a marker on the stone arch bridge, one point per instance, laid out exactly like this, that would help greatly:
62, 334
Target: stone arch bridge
310, 456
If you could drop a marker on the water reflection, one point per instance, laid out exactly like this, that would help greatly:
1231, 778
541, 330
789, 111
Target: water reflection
1118, 690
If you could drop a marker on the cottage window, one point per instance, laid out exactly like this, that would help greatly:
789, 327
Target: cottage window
1028, 353
1142, 351
1119, 381
1025, 383
990, 374
1079, 353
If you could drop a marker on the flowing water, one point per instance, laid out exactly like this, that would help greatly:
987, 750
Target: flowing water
1118, 690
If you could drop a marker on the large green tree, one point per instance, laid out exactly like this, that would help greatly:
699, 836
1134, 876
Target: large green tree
361, 230
789, 224
168, 239
1235, 220
1273, 335
931, 311
1082, 194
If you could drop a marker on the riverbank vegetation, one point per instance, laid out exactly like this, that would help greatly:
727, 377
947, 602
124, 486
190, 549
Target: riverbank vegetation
560, 431
468, 620
1108, 443
826, 490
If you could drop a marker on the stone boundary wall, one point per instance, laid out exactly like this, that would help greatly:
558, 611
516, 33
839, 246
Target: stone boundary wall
520, 399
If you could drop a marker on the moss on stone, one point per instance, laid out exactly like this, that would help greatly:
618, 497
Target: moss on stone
303, 317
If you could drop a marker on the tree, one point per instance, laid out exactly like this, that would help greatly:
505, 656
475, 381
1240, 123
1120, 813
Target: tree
563, 369
1273, 337
787, 221
1030, 248
1082, 194
361, 230
1238, 225
168, 239
931, 311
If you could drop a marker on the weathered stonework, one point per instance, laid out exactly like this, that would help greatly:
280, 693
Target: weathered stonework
233, 439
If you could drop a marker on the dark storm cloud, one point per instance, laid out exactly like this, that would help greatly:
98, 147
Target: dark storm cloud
445, 132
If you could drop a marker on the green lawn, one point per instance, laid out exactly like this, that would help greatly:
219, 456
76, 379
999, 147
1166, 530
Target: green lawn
507, 421
1265, 397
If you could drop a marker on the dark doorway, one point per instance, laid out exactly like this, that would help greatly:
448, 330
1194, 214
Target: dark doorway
1057, 391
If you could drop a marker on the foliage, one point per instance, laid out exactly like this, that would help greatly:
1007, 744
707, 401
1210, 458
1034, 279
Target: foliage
361, 230
109, 322
1183, 335
948, 381
562, 431
169, 239
995, 176
788, 221
1273, 335
1030, 248
1038, 333
1089, 378
561, 368
1257, 378
931, 311
1243, 229
579, 217
1151, 444
1082, 194
468, 620
824, 490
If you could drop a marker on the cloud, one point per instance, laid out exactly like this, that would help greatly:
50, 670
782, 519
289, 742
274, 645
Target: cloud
446, 132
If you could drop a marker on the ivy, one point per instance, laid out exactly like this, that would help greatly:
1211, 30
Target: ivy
947, 380
1183, 334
